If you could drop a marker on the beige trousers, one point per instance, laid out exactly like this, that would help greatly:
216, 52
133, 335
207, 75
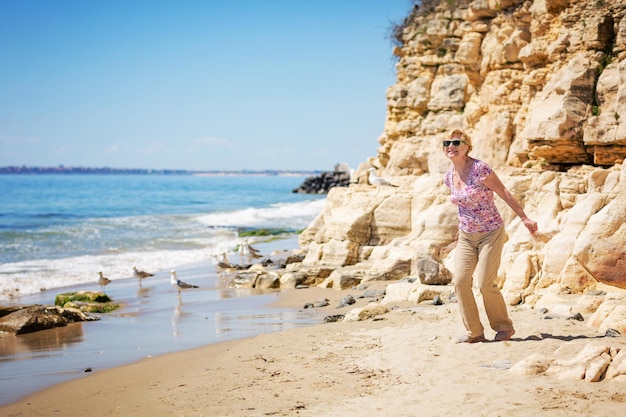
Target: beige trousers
480, 253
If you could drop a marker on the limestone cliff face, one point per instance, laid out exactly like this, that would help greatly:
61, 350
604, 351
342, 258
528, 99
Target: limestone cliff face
540, 86
532, 81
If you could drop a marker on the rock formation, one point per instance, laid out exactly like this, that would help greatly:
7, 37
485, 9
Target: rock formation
322, 183
33, 318
592, 364
539, 86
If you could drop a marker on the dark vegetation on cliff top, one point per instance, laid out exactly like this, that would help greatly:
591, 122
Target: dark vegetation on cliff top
419, 8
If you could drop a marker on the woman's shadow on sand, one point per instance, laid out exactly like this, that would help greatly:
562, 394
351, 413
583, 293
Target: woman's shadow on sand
564, 338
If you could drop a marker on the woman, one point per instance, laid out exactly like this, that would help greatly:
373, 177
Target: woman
481, 237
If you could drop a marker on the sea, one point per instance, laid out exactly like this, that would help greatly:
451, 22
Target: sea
57, 231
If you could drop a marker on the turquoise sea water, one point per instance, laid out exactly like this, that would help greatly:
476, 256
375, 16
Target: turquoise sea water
60, 230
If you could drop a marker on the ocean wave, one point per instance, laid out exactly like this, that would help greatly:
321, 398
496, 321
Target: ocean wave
286, 215
19, 279
155, 232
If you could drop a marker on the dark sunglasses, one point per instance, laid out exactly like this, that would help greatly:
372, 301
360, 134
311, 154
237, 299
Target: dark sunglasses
457, 142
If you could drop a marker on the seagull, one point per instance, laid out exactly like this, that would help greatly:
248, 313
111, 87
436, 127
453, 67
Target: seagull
178, 283
240, 252
224, 257
102, 281
376, 180
251, 248
221, 263
249, 251
141, 274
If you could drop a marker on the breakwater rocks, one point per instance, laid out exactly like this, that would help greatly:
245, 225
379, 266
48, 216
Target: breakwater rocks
321, 183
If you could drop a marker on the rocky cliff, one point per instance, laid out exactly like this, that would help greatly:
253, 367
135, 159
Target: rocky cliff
540, 86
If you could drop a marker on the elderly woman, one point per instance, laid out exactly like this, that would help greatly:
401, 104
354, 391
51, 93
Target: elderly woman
481, 236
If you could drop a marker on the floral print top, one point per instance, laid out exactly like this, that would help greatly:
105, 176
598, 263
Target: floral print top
477, 210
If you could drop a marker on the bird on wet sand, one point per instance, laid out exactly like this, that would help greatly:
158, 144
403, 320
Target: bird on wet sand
223, 257
221, 264
180, 285
141, 275
249, 252
240, 252
378, 181
102, 281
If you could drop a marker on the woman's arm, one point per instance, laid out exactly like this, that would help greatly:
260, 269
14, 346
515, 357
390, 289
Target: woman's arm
492, 181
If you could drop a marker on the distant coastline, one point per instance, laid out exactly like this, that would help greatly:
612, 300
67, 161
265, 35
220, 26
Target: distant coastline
61, 169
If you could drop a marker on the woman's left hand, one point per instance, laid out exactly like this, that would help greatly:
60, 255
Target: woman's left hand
530, 225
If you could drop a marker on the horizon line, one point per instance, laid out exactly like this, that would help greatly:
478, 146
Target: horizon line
23, 169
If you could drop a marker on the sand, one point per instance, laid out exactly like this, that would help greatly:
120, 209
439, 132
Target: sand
403, 363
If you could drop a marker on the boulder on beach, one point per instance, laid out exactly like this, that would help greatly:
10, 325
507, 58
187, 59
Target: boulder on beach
32, 318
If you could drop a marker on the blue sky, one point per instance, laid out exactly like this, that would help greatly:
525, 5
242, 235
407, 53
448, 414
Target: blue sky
200, 85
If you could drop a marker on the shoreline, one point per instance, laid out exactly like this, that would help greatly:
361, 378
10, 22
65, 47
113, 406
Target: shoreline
403, 364
151, 322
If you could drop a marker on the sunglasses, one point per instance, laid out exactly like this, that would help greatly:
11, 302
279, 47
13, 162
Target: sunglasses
457, 142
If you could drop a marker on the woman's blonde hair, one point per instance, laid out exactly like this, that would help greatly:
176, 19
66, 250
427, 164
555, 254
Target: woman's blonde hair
456, 133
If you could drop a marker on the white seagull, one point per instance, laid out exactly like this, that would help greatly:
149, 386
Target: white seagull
376, 180
224, 257
102, 281
249, 251
221, 263
180, 285
140, 275
241, 252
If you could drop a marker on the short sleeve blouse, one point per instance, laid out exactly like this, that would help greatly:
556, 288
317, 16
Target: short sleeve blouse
477, 210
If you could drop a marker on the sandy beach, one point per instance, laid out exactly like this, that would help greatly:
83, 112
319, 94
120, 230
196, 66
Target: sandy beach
403, 363
152, 321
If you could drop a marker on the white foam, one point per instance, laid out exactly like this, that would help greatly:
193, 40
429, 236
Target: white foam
29, 277
285, 215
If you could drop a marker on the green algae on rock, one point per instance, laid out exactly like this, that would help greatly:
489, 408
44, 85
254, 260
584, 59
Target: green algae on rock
87, 301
